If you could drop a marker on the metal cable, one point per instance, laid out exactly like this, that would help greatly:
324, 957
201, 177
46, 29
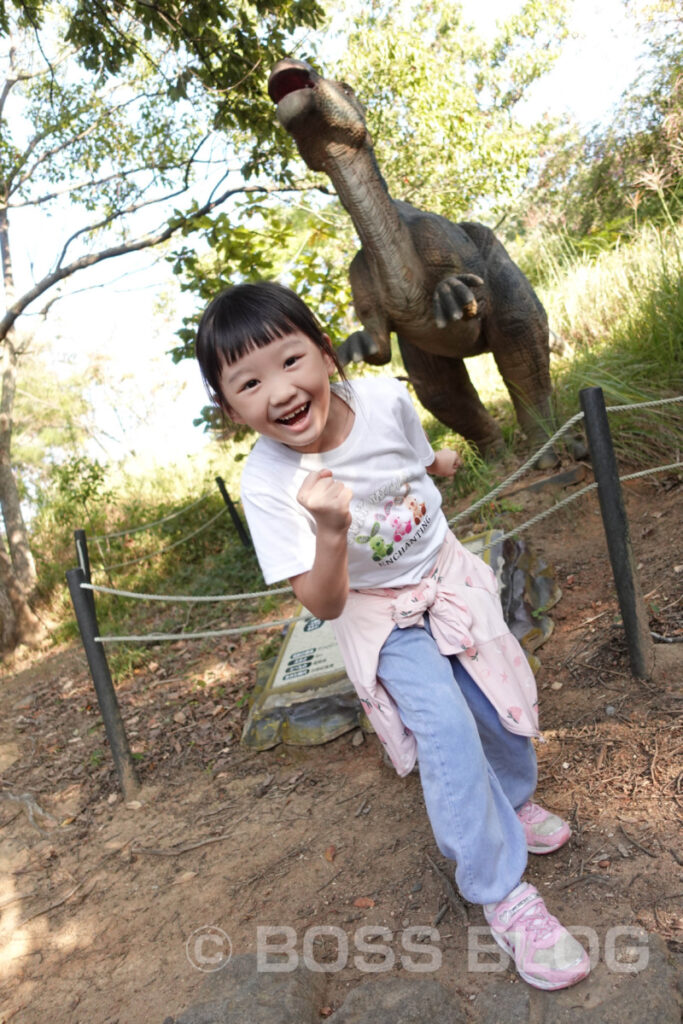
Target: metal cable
183, 597
572, 497
157, 522
548, 444
150, 637
162, 551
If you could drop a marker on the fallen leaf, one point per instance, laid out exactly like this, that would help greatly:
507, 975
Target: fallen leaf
330, 853
184, 876
180, 718
364, 901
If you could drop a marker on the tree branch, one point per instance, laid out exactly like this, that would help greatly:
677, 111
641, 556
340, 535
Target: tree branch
145, 242
30, 171
117, 215
93, 183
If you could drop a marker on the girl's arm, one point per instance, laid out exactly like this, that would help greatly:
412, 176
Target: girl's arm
446, 463
324, 588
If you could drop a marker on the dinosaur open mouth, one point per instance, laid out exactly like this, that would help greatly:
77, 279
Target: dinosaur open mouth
286, 81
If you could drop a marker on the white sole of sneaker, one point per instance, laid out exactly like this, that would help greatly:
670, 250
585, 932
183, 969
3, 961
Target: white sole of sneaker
547, 849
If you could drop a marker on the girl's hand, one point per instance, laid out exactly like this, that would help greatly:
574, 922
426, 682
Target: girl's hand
446, 463
327, 500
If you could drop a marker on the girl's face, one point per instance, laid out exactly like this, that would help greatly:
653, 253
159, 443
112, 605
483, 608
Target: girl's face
283, 391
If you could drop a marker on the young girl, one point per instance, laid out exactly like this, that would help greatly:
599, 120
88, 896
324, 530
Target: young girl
339, 500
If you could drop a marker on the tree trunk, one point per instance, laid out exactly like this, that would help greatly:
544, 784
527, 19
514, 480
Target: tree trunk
21, 557
18, 624
22, 562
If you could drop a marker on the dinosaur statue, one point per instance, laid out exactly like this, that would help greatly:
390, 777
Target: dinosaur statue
448, 291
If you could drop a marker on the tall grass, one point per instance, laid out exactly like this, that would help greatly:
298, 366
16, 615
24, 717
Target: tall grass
620, 314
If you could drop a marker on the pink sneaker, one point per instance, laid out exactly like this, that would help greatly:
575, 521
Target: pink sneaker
545, 832
545, 954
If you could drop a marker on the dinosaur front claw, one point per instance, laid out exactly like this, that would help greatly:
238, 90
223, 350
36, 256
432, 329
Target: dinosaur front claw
453, 299
358, 347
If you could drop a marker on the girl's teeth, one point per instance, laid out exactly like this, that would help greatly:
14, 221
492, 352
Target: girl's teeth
293, 415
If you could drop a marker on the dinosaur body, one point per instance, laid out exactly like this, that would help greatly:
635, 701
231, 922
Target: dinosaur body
448, 291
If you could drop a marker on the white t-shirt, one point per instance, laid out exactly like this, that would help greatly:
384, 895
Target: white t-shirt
397, 526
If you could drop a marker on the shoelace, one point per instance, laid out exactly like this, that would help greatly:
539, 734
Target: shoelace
530, 813
538, 920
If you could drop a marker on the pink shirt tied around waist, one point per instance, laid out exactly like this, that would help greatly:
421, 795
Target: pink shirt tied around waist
466, 619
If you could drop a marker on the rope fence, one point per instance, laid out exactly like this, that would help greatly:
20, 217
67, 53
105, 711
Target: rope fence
276, 591
205, 635
530, 462
229, 507
487, 499
607, 483
572, 497
157, 522
167, 548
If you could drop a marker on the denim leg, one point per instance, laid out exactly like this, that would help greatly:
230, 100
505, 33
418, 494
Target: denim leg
472, 819
511, 756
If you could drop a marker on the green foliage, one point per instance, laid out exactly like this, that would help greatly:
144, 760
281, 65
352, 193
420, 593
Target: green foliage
440, 101
79, 487
210, 45
51, 418
598, 188
195, 552
103, 144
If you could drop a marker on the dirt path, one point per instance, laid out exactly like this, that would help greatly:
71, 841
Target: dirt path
99, 898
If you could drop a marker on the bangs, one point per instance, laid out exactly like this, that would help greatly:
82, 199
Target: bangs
243, 339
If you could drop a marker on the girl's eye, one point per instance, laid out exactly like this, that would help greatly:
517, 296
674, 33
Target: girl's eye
291, 360
248, 385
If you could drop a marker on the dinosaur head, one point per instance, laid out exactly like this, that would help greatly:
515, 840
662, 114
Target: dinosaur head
321, 115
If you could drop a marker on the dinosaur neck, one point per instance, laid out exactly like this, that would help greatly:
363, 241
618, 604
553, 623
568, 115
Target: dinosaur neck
386, 241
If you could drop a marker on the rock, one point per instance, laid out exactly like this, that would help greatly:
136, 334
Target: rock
503, 1001
607, 996
615, 992
239, 994
399, 1001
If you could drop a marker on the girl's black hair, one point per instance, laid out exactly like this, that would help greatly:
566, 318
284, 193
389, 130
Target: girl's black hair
249, 316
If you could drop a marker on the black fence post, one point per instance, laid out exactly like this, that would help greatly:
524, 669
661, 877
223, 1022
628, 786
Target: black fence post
84, 607
234, 514
631, 604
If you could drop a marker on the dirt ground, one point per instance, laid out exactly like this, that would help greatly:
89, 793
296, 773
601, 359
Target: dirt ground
99, 897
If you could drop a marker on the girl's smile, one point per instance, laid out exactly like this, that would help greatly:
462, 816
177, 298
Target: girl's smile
282, 390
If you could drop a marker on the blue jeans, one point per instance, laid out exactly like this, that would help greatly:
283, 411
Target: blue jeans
474, 772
